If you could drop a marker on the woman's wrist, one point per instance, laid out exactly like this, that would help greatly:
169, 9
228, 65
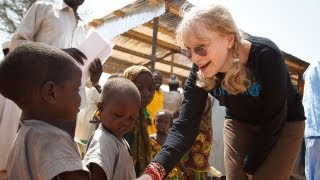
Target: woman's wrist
155, 170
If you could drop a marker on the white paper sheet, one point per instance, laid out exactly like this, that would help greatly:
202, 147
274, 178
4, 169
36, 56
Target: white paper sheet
95, 46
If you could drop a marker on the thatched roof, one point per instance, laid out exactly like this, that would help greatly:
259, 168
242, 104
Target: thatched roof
132, 26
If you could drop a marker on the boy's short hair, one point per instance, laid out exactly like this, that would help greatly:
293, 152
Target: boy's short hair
157, 73
164, 111
119, 86
26, 68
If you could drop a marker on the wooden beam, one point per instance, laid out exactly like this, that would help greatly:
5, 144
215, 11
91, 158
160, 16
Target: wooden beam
293, 70
112, 69
96, 22
148, 57
132, 52
171, 67
119, 13
166, 55
154, 2
161, 29
169, 63
300, 83
167, 75
154, 42
174, 64
117, 62
116, 65
296, 66
148, 40
174, 9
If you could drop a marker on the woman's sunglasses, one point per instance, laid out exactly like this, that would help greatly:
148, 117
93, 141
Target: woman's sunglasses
199, 50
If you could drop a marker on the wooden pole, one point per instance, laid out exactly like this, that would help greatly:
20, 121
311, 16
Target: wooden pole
300, 83
154, 43
172, 58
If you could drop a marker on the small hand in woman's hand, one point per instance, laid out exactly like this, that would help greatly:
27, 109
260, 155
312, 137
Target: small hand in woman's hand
250, 177
145, 177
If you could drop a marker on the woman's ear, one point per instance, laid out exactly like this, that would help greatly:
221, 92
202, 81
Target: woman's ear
230, 39
49, 92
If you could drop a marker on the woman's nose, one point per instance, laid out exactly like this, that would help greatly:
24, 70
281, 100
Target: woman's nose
195, 57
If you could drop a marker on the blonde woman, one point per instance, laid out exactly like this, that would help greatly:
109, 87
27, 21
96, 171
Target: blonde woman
264, 123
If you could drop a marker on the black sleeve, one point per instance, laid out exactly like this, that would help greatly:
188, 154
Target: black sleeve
185, 129
273, 73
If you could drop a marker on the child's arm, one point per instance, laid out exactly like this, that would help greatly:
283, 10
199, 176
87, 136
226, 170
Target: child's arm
97, 172
71, 175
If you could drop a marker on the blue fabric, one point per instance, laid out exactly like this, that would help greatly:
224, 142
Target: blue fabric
312, 166
311, 100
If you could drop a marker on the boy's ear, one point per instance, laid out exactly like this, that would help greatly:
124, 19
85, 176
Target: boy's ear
48, 91
100, 107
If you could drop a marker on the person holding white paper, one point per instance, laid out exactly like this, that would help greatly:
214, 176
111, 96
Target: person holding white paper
59, 26
56, 25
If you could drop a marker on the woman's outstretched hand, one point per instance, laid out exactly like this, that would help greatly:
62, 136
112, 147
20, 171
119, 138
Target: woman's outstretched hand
145, 177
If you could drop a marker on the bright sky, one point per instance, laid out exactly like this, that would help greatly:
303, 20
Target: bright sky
292, 24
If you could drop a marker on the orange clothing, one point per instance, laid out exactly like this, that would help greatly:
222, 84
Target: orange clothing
155, 105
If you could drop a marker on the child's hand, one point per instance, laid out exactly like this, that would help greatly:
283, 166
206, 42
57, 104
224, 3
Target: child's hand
95, 70
250, 177
145, 177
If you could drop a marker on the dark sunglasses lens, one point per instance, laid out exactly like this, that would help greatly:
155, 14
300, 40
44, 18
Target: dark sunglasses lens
201, 51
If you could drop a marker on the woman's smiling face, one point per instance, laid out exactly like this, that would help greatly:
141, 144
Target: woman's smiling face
210, 52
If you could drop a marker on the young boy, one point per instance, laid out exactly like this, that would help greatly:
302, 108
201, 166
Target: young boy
44, 82
163, 122
108, 155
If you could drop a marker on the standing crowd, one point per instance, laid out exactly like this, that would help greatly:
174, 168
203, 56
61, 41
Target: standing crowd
62, 128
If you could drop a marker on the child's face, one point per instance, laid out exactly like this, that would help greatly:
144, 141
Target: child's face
157, 81
68, 97
144, 83
163, 122
118, 114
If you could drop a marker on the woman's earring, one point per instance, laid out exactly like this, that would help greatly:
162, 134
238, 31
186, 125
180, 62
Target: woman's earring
236, 60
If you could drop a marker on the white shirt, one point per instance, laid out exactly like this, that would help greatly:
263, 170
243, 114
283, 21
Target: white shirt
311, 99
42, 151
50, 24
111, 154
8, 128
172, 101
84, 128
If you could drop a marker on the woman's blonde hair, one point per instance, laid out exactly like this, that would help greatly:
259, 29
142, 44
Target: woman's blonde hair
215, 18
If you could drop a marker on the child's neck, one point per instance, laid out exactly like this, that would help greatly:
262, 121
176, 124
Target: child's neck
65, 125
162, 133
